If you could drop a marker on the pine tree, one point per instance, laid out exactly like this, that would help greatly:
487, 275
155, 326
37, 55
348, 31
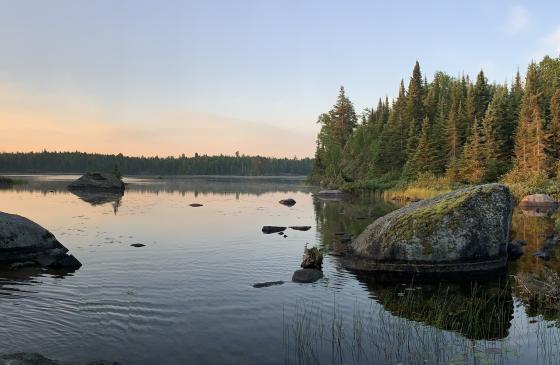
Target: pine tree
471, 164
481, 96
343, 118
414, 112
424, 159
530, 143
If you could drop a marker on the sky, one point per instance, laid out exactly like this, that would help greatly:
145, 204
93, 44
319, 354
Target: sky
171, 77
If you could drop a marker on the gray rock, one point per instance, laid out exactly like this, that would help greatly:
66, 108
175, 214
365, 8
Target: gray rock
97, 181
461, 231
288, 202
272, 229
137, 245
307, 275
23, 240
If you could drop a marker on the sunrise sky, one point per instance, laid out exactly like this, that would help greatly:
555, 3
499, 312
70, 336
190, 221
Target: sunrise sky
172, 77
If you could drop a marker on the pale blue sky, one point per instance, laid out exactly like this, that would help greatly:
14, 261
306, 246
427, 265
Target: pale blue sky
154, 71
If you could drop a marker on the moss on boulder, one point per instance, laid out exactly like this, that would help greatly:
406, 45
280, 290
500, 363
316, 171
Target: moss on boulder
458, 231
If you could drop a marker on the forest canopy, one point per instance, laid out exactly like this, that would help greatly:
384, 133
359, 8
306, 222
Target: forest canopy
453, 129
79, 162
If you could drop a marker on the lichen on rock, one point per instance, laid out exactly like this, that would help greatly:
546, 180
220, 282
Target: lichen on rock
464, 226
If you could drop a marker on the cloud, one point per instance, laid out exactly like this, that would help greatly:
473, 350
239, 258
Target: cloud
518, 19
548, 45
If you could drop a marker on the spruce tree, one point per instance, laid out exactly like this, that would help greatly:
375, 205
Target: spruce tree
414, 112
471, 167
481, 96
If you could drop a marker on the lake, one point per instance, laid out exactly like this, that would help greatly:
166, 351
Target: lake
188, 295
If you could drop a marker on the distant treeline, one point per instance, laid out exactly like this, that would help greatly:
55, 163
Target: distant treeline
77, 162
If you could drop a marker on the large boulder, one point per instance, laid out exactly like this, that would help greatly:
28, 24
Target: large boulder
97, 181
24, 241
461, 231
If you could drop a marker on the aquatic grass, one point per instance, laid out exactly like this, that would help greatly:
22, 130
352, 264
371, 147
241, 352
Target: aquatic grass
414, 328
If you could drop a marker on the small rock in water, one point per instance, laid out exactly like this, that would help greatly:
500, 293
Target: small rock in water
281, 233
137, 245
301, 228
340, 234
272, 229
307, 275
285, 236
267, 284
195, 205
288, 202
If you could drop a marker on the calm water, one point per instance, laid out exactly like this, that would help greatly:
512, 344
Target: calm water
187, 297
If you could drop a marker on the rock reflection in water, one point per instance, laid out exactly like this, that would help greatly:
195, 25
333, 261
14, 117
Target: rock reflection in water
100, 197
479, 309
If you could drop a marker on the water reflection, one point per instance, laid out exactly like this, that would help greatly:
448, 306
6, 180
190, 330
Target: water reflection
95, 198
192, 283
14, 283
478, 310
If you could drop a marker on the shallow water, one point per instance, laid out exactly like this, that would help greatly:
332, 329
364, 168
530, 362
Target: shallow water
187, 296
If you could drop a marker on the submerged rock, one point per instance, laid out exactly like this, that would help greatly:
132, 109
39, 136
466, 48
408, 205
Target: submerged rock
138, 245
288, 202
195, 205
98, 181
307, 275
22, 241
272, 229
267, 284
29, 358
461, 231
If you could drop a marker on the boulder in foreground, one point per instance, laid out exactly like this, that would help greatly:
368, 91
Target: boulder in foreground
98, 181
465, 230
23, 241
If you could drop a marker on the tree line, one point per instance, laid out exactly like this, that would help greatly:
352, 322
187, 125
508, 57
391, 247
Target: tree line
462, 130
79, 162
